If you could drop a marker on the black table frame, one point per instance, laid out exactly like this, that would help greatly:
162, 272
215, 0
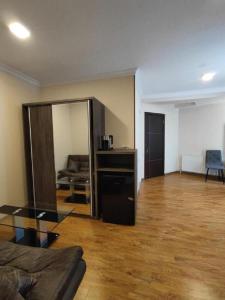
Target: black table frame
36, 237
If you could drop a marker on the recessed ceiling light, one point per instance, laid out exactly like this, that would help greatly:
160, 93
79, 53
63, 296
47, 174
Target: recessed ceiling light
208, 76
19, 30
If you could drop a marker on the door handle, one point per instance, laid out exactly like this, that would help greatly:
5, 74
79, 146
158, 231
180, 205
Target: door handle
130, 198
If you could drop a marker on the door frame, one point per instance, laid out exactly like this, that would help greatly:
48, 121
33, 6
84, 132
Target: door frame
145, 116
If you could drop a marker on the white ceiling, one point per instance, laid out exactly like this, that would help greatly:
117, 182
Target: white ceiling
172, 42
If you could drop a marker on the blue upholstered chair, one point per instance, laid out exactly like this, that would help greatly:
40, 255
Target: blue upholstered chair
214, 161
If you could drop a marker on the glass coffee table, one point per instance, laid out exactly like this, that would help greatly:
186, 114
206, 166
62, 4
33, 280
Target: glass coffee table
33, 227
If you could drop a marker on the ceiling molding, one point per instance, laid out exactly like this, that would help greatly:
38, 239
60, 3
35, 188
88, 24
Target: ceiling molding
18, 74
186, 95
200, 102
100, 76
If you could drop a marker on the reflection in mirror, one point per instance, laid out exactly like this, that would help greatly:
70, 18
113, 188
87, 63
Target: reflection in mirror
71, 151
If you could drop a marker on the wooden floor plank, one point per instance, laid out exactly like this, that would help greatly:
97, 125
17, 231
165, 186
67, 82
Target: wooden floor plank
175, 251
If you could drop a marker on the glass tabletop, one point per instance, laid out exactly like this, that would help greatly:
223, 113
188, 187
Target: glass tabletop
72, 181
38, 219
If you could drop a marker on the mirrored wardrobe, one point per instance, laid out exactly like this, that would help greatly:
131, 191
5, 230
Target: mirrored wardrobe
61, 138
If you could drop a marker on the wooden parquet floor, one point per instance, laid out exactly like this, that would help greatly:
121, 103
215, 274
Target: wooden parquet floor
175, 251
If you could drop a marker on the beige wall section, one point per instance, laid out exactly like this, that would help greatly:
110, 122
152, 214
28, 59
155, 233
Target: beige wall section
117, 94
13, 92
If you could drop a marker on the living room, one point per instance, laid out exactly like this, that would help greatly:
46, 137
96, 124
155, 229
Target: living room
107, 128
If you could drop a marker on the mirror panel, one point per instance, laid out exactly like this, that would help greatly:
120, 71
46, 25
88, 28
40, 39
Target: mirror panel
72, 157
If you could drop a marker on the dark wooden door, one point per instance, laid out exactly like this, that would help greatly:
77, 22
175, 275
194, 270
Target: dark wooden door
42, 151
154, 144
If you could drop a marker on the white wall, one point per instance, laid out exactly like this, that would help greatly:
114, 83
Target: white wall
201, 128
171, 136
13, 92
79, 128
70, 131
61, 134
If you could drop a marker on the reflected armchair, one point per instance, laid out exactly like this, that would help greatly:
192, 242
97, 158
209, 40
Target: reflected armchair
77, 168
214, 162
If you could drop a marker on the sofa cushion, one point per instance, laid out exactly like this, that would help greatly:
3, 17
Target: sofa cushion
74, 166
76, 176
84, 164
15, 281
9, 291
84, 169
53, 268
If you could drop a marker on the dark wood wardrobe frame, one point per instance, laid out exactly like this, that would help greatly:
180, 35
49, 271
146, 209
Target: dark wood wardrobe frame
97, 128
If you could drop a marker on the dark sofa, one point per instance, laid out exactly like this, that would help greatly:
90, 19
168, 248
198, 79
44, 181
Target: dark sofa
51, 274
77, 167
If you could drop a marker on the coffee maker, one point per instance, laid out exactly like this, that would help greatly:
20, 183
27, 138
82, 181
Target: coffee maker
106, 142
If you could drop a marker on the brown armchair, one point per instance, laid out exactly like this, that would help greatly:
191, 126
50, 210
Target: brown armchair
77, 168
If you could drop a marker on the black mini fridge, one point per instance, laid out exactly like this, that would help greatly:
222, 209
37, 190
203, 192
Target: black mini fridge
118, 198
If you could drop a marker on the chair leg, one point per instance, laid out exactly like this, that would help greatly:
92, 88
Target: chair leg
222, 173
206, 175
219, 174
